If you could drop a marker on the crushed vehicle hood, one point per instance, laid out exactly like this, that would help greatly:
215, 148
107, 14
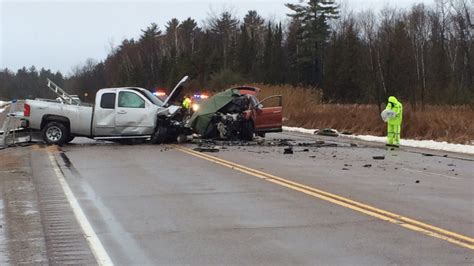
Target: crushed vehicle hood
176, 91
201, 119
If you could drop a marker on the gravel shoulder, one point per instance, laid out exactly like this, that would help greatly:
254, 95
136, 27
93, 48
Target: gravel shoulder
21, 236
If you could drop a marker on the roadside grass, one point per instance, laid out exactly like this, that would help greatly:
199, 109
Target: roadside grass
303, 107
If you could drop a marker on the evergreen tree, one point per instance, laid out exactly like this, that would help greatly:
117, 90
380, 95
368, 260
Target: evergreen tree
314, 18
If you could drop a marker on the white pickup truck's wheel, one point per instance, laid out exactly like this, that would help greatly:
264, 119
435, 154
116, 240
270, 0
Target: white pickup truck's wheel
160, 135
55, 133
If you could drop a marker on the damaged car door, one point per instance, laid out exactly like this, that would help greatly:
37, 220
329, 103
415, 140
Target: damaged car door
269, 114
134, 114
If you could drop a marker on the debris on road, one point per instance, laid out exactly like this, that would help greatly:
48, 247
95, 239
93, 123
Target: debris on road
428, 154
206, 149
288, 150
367, 165
327, 132
303, 150
379, 157
417, 181
345, 169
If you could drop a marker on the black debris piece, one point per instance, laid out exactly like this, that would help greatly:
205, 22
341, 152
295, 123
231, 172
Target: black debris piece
451, 164
347, 164
353, 145
334, 156
312, 156
427, 154
379, 157
206, 149
316, 144
417, 181
288, 150
367, 165
345, 169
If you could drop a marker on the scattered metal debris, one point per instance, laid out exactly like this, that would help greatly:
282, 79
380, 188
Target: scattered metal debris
288, 150
304, 150
379, 157
327, 132
206, 149
428, 154
367, 165
417, 181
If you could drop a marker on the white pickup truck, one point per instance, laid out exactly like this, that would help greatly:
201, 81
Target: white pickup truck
118, 113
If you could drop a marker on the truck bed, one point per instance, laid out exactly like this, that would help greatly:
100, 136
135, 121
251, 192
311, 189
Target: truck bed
79, 116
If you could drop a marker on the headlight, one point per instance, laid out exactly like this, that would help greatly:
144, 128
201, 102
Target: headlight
195, 107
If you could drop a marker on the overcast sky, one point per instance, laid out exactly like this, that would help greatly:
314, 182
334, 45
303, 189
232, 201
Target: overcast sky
59, 35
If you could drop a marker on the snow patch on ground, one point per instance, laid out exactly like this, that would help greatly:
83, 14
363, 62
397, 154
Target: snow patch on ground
299, 130
426, 144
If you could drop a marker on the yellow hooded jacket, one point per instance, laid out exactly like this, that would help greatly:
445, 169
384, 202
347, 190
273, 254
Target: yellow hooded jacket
396, 106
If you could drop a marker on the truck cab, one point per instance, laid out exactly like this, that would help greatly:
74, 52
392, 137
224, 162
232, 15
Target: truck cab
125, 112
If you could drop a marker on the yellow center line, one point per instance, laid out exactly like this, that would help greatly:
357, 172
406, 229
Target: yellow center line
394, 218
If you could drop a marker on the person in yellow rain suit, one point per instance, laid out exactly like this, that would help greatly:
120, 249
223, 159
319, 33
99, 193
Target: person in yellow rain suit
394, 124
187, 102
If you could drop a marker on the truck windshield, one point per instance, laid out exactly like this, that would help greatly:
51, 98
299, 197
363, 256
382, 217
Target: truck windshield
150, 97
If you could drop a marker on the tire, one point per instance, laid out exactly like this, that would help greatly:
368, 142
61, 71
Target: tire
160, 136
55, 133
248, 130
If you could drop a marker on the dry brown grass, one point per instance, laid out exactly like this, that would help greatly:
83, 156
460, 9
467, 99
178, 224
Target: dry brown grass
303, 108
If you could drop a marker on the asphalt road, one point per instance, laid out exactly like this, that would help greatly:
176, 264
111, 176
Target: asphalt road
256, 205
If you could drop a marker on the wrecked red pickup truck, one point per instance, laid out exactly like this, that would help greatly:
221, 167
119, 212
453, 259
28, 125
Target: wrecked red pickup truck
236, 113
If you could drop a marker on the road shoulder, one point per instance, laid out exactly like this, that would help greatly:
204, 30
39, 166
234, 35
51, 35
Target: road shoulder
24, 241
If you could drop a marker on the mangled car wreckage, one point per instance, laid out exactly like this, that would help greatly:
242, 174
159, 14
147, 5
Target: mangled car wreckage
236, 113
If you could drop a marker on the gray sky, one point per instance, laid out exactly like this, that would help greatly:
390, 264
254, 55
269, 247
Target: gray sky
59, 35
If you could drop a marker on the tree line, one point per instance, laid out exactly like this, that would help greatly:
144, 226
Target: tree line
422, 55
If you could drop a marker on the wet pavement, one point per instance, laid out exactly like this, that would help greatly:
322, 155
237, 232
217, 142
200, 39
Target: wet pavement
159, 205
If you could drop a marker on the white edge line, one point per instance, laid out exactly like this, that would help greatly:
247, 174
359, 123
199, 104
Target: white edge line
93, 240
430, 173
